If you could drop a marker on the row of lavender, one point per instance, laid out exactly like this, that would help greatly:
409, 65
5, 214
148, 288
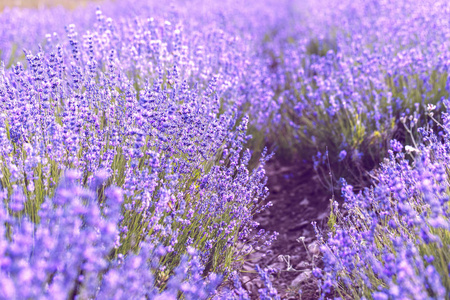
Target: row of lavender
377, 74
123, 160
355, 74
392, 240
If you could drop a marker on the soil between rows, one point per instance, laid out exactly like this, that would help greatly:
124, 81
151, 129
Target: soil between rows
298, 199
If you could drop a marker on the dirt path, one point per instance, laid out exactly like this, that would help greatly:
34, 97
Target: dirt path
298, 199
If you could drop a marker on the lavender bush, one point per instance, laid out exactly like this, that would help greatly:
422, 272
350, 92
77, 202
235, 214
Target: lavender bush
392, 239
70, 253
139, 106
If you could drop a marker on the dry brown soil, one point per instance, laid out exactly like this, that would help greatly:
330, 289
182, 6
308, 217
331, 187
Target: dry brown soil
298, 199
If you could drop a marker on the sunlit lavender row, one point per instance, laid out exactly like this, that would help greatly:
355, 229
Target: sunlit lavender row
139, 115
132, 145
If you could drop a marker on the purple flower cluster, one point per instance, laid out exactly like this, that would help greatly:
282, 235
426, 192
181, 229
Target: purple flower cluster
71, 252
392, 241
216, 41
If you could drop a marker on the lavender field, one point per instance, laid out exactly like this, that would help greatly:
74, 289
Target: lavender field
136, 136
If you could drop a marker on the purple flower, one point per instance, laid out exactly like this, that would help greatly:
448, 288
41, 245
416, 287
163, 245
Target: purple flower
342, 155
17, 199
396, 146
